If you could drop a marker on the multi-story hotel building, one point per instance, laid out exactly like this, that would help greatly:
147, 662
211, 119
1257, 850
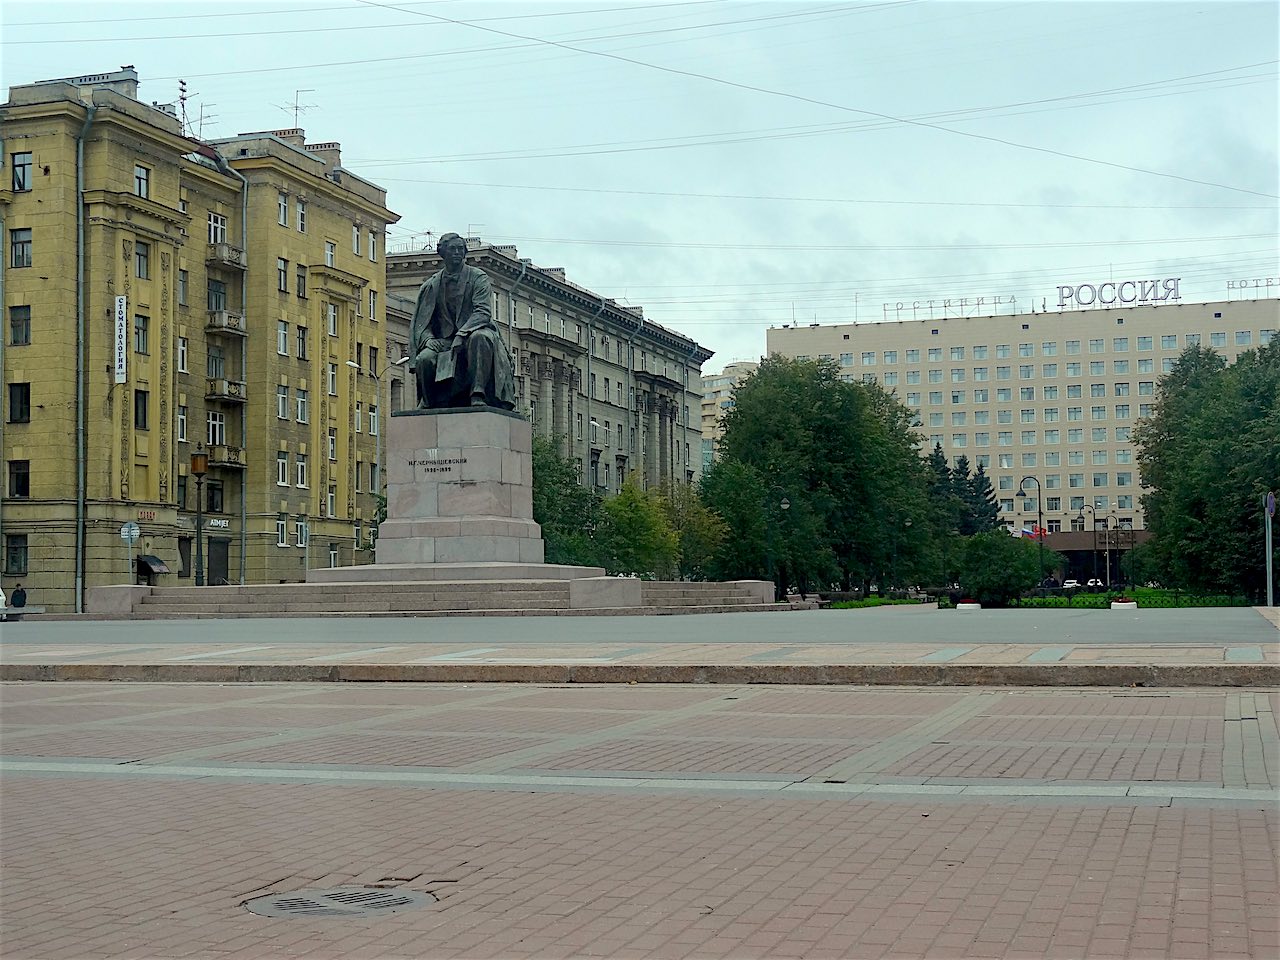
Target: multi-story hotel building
1051, 396
163, 294
717, 399
622, 393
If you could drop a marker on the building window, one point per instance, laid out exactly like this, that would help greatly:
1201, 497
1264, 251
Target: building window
141, 181
19, 403
303, 410
300, 532
1099, 479
19, 326
373, 247
20, 478
355, 240
373, 361
330, 249
217, 228
15, 554
282, 209
333, 379
213, 499
142, 260
333, 443
373, 419
182, 422
141, 326
331, 502
20, 248
300, 462
302, 282
216, 428
282, 338
302, 216
21, 172
282, 402
282, 468
358, 418
302, 342
331, 313
182, 288
182, 355
282, 275
216, 296
215, 362
1244, 338
373, 304
282, 532
141, 400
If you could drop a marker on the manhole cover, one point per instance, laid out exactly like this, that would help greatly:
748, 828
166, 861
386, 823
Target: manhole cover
338, 902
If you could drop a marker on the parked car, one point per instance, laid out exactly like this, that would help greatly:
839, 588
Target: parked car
1071, 584
1094, 582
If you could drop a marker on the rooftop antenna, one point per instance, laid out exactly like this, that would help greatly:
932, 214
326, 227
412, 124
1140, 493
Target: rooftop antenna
200, 122
296, 108
182, 106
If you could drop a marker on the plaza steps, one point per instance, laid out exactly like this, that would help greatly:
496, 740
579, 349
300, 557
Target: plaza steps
434, 599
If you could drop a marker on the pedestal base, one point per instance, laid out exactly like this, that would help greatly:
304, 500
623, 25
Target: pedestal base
459, 489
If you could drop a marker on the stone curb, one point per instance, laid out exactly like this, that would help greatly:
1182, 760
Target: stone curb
1015, 675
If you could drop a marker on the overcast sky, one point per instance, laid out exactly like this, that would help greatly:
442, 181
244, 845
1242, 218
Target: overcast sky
729, 165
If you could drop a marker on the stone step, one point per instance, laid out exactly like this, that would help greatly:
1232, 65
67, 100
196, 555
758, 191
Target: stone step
339, 598
243, 614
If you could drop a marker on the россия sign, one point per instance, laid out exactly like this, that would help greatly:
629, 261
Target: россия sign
1123, 291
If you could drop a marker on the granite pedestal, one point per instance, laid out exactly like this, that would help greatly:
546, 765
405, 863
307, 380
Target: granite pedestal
459, 489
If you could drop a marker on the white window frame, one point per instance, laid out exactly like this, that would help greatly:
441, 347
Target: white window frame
302, 216
217, 228
282, 338
282, 468
302, 405
282, 401
282, 208
182, 422
182, 355
300, 467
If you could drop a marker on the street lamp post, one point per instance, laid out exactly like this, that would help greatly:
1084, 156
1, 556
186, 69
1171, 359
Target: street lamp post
1093, 519
1132, 537
1106, 545
1039, 515
199, 467
785, 504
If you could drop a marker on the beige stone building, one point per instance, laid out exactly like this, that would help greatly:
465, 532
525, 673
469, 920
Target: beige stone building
622, 393
717, 398
1050, 396
163, 295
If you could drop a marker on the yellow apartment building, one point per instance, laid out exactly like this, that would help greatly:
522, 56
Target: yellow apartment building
162, 296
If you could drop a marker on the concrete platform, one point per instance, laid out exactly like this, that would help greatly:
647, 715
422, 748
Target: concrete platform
1235, 647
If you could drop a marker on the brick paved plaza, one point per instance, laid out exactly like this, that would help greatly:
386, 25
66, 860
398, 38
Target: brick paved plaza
640, 821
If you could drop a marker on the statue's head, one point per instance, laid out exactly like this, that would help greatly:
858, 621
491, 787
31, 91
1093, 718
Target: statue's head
447, 239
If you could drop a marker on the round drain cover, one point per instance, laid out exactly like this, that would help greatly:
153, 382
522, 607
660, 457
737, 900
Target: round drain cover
338, 902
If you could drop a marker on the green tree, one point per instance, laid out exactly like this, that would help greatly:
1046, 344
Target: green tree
995, 567
635, 536
1208, 455
568, 512
843, 456
699, 530
735, 492
984, 509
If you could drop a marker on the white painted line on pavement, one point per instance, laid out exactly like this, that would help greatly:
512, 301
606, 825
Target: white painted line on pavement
457, 655
216, 653
350, 653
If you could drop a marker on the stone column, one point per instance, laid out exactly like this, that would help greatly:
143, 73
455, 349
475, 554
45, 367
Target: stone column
651, 445
547, 385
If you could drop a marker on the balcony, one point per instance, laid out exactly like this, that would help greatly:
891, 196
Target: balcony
224, 321
225, 455
225, 255
228, 391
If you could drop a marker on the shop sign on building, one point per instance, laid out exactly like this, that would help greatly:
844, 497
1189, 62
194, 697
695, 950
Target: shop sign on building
122, 338
1124, 291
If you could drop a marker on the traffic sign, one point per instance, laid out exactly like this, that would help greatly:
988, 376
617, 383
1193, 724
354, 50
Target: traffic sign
1271, 504
129, 532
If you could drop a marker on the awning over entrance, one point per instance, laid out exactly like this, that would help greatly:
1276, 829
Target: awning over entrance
154, 564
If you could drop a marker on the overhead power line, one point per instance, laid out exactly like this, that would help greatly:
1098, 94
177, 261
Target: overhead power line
823, 103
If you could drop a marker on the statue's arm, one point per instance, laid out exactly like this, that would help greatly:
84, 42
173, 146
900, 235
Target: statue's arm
481, 297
